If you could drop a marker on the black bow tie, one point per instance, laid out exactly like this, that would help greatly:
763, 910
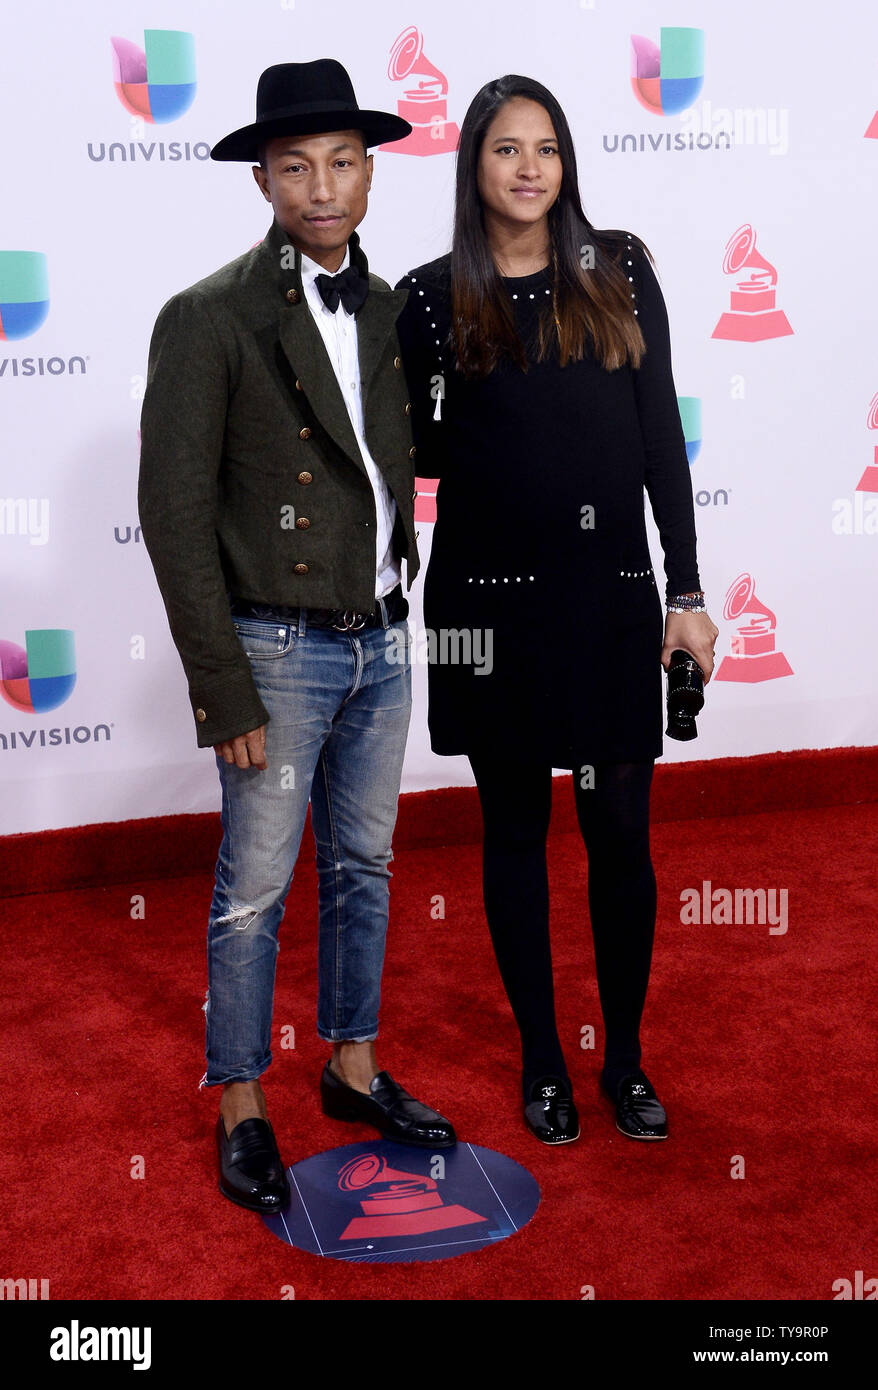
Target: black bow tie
349, 287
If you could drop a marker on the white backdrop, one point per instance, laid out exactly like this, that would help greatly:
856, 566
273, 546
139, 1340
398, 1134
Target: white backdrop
789, 420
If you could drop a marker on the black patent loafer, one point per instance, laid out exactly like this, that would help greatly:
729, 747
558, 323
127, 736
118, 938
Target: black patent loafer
250, 1169
549, 1113
639, 1112
392, 1111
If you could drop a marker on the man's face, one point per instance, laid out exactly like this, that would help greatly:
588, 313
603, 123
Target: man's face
318, 186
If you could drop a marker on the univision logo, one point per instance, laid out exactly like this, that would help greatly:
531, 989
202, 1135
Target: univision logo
24, 307
156, 84
24, 293
41, 675
37, 678
690, 418
668, 78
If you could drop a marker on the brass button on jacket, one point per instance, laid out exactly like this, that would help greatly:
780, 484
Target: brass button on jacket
302, 523
305, 477
408, 407
293, 296
397, 362
300, 569
305, 432
200, 715
299, 386
412, 452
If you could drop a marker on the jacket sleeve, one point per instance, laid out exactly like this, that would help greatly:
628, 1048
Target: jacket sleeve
182, 431
424, 377
668, 482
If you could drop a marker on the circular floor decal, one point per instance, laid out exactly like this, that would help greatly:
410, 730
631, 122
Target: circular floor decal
389, 1202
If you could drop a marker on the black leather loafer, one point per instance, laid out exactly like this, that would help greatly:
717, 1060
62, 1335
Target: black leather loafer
250, 1169
639, 1112
392, 1111
550, 1113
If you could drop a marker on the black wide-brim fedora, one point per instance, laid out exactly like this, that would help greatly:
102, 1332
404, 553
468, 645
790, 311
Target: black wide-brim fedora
307, 99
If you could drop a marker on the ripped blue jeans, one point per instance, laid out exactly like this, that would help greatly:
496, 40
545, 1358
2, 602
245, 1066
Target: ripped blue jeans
340, 704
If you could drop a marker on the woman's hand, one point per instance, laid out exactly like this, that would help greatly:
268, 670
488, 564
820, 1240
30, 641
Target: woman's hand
696, 634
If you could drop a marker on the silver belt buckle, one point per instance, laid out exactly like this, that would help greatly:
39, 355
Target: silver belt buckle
348, 624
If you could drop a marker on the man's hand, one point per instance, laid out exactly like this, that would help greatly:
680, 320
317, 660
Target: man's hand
247, 750
694, 633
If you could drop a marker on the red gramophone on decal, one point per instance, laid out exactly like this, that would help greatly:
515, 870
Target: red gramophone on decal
753, 656
869, 480
398, 1204
423, 103
752, 316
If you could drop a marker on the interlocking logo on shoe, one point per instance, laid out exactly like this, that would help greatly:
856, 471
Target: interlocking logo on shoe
548, 1091
638, 1089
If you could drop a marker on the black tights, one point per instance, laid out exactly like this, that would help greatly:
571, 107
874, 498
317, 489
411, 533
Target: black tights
516, 799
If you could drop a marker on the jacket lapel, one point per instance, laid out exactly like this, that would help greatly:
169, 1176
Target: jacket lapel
303, 345
375, 322
306, 353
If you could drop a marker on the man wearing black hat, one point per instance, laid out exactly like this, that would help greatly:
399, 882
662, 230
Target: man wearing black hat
276, 503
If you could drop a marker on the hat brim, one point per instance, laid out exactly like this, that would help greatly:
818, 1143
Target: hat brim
378, 127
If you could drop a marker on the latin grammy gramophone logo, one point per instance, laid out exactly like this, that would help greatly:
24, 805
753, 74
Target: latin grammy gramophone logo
397, 1203
872, 132
869, 480
423, 103
381, 1201
752, 316
753, 654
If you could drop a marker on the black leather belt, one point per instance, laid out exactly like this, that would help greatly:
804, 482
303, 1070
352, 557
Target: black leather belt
341, 619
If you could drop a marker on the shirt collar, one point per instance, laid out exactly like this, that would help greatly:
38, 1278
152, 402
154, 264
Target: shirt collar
311, 269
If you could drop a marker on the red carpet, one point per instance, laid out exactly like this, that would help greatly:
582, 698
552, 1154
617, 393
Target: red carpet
760, 1045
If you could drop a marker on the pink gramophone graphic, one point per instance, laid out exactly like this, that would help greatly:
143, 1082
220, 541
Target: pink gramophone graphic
401, 1203
869, 480
753, 655
752, 316
423, 106
872, 131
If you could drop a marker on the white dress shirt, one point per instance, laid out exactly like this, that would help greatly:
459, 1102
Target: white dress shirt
339, 332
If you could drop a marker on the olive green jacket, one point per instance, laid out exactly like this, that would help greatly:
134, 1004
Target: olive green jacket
251, 480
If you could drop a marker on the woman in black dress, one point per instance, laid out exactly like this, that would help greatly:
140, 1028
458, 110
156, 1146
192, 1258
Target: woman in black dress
538, 358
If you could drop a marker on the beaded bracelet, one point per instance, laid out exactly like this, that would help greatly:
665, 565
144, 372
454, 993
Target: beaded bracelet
686, 603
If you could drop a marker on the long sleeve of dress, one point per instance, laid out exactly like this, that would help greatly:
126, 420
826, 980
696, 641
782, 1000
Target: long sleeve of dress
668, 483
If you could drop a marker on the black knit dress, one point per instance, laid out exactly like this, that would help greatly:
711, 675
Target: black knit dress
540, 543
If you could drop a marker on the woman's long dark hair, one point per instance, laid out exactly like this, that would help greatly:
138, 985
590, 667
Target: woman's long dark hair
590, 303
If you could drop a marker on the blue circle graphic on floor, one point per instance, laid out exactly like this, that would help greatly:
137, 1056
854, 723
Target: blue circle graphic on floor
385, 1203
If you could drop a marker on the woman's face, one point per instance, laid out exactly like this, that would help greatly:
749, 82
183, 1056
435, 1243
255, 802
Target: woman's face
519, 172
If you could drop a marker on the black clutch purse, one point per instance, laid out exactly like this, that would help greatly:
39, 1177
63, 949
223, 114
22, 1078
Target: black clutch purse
685, 695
